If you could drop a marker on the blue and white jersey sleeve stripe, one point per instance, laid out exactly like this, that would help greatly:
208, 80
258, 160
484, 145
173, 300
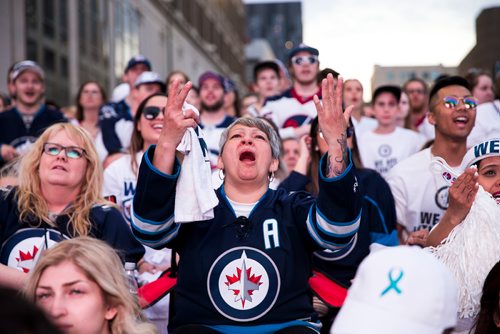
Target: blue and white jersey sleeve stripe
153, 205
335, 217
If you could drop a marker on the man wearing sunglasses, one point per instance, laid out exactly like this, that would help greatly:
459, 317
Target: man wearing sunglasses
294, 110
421, 195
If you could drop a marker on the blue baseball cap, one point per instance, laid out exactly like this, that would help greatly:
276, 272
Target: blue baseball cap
139, 59
302, 47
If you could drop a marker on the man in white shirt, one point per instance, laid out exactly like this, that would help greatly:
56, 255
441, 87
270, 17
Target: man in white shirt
421, 196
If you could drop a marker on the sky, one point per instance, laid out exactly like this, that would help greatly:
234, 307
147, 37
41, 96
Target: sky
354, 35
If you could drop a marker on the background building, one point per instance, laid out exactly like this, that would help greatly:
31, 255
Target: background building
279, 23
398, 75
486, 53
78, 40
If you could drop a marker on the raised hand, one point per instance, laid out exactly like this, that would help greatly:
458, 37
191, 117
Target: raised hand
333, 123
175, 123
461, 195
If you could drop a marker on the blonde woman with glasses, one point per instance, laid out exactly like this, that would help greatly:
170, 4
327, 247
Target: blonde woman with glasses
58, 198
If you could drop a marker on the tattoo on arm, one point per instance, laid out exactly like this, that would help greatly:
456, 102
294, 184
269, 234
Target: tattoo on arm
340, 162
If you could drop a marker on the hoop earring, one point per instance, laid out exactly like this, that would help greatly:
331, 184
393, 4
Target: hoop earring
271, 177
221, 174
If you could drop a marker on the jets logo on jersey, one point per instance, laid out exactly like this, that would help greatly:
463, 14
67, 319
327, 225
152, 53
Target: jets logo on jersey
23, 249
296, 121
243, 284
384, 150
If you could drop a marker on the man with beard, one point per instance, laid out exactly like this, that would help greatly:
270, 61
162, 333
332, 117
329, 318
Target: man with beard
294, 110
213, 118
417, 120
23, 123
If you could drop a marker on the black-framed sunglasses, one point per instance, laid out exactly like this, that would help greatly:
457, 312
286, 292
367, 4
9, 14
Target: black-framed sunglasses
71, 152
299, 60
150, 113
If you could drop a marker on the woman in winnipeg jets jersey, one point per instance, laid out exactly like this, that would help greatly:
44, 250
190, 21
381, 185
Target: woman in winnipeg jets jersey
246, 270
58, 198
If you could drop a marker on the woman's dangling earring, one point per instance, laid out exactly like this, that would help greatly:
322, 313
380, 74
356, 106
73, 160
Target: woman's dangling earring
221, 174
271, 177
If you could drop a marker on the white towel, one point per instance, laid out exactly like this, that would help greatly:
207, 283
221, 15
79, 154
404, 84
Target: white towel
195, 197
471, 249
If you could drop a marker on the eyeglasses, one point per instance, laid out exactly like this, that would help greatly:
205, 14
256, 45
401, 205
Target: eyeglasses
150, 113
72, 152
299, 60
451, 102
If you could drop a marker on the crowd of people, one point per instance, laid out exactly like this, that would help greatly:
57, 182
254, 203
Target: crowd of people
296, 208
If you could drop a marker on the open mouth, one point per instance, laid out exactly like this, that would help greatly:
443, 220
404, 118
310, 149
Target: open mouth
461, 120
247, 156
158, 126
496, 196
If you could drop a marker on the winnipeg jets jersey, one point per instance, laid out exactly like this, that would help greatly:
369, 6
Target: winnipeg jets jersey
23, 241
289, 110
249, 272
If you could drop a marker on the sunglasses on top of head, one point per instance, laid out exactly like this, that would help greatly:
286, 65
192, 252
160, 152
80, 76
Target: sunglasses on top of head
150, 113
299, 60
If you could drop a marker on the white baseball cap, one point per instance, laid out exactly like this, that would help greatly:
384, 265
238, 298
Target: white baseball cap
26, 65
149, 77
398, 290
480, 151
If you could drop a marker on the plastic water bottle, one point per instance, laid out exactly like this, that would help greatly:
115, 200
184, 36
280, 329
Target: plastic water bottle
132, 281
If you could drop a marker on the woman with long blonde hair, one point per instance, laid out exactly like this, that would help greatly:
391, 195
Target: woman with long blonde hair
58, 197
81, 285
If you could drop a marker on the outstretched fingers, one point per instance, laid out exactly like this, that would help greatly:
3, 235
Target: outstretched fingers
317, 103
348, 113
181, 97
338, 93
